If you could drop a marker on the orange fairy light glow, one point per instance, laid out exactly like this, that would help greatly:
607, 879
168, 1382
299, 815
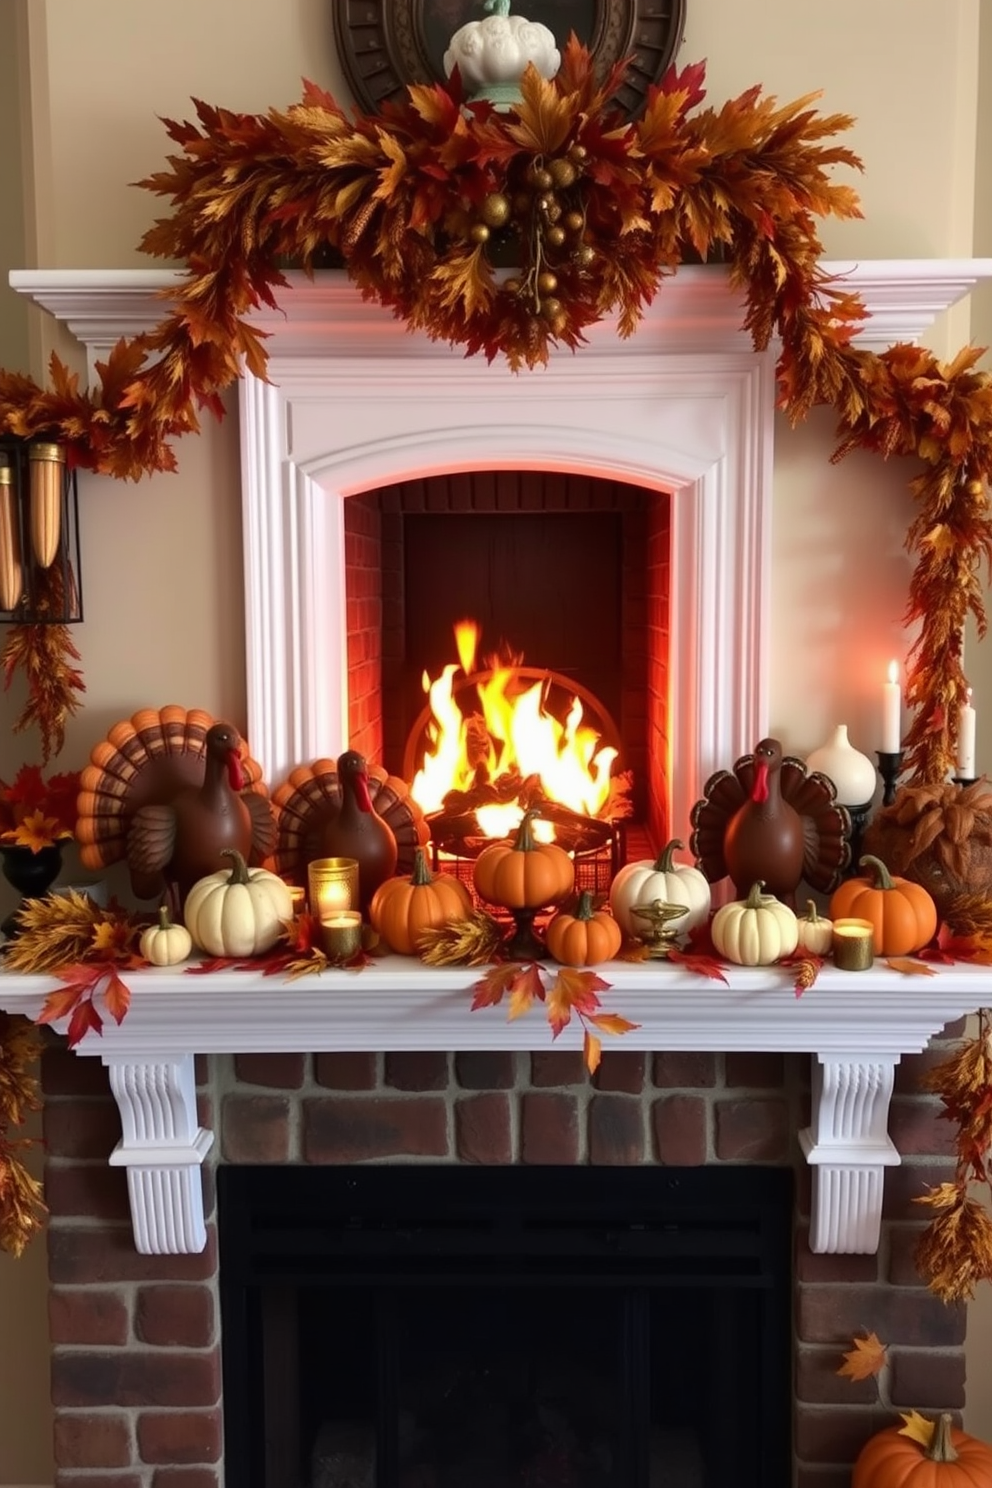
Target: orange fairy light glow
519, 736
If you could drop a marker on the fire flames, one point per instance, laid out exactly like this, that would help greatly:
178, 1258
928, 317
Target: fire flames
507, 730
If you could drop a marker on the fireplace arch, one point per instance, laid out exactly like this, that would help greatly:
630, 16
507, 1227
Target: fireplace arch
685, 408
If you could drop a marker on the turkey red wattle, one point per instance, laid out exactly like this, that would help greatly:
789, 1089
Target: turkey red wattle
759, 791
361, 783
235, 774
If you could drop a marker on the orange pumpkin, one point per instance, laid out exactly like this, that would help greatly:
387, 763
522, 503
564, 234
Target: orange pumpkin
902, 913
403, 908
953, 1460
584, 938
524, 873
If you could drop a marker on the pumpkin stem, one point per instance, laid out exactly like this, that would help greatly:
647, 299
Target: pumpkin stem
584, 910
164, 920
524, 841
239, 872
664, 863
813, 917
875, 866
421, 875
754, 898
941, 1448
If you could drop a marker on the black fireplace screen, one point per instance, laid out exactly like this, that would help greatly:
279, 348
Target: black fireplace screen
434, 1327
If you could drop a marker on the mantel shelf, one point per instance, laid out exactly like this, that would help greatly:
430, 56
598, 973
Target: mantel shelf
856, 1027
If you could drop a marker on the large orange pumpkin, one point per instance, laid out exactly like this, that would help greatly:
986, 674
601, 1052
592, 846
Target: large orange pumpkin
584, 938
953, 1460
524, 873
902, 913
403, 908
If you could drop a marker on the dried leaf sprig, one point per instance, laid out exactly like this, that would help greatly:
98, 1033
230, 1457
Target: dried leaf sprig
86, 945
472, 941
954, 1253
568, 991
22, 1207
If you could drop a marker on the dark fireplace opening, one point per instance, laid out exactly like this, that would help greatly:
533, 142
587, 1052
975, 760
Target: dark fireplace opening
428, 1327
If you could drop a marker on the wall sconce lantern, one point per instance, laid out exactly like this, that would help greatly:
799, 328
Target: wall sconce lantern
40, 582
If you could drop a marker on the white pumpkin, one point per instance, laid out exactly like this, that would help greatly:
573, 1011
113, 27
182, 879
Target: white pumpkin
165, 944
240, 913
673, 883
755, 931
816, 932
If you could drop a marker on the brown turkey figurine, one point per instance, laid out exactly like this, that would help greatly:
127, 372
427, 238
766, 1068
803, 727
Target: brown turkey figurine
347, 808
771, 819
168, 791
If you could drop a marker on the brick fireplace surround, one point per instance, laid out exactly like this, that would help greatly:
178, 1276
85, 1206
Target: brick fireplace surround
136, 1350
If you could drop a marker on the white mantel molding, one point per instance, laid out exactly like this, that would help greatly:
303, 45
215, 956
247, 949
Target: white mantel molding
903, 298
856, 1027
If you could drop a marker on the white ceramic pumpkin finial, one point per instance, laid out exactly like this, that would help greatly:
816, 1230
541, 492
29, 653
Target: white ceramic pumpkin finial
493, 54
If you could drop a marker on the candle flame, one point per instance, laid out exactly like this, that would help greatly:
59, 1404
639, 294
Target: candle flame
893, 671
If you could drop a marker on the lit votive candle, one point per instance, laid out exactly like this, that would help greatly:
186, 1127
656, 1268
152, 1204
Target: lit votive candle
333, 885
853, 944
341, 933
297, 898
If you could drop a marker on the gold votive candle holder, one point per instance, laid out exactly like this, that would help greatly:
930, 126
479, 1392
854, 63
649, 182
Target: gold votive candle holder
333, 885
341, 933
853, 944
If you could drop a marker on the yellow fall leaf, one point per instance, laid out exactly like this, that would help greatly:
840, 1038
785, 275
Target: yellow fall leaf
36, 831
908, 966
917, 1427
865, 1360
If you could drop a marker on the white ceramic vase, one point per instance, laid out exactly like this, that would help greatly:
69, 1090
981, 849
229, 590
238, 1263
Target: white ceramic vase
852, 772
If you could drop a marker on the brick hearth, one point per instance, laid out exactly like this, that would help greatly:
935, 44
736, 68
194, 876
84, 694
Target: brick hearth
136, 1377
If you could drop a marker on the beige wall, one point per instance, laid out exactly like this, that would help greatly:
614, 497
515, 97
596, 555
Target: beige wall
25, 1432
161, 560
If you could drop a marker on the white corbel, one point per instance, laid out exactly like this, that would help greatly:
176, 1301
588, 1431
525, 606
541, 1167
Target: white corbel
848, 1147
162, 1148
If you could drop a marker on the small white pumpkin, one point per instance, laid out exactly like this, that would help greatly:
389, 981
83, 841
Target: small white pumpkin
165, 944
755, 931
816, 932
673, 883
240, 913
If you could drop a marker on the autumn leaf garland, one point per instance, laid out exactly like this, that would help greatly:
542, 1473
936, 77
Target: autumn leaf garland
599, 209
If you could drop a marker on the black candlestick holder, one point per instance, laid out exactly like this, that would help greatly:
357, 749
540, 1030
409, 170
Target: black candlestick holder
965, 780
859, 820
889, 766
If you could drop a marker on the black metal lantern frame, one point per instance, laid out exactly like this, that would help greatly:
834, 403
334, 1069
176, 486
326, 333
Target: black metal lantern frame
40, 576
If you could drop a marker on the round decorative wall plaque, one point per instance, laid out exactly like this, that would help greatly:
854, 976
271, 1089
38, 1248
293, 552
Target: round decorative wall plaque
385, 45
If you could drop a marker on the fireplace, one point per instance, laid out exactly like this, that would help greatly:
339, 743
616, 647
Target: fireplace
404, 1326
714, 1075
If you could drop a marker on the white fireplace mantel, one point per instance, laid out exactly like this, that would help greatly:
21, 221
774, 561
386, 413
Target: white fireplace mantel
684, 407
855, 1027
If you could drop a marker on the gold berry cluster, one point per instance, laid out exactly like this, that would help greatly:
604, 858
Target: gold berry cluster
545, 211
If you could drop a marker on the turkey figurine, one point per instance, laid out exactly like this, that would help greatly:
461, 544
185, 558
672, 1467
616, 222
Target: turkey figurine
358, 831
347, 808
169, 791
771, 819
